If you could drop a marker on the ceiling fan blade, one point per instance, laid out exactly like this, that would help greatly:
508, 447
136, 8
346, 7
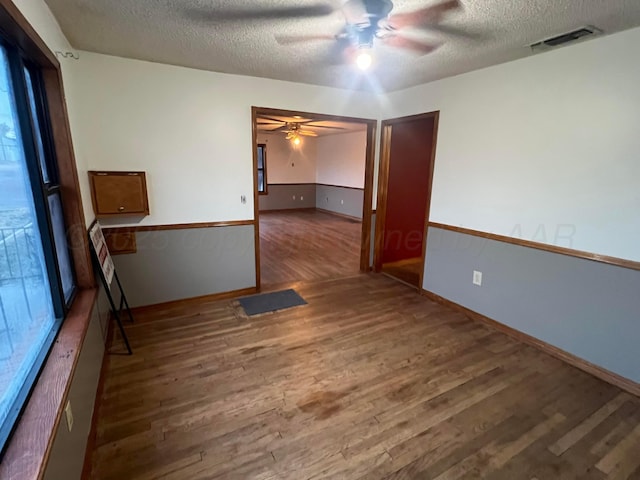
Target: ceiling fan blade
323, 126
293, 39
307, 133
398, 41
271, 119
425, 16
452, 31
239, 14
308, 123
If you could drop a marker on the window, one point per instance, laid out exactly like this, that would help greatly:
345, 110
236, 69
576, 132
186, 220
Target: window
37, 283
262, 168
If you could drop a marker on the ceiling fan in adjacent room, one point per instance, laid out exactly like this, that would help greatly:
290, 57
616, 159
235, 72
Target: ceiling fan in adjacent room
366, 22
293, 128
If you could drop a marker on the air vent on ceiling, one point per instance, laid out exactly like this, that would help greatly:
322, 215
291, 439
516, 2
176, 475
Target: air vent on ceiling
565, 38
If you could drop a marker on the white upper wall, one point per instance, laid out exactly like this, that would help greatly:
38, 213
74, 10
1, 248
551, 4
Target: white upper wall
546, 148
190, 130
42, 20
289, 163
341, 159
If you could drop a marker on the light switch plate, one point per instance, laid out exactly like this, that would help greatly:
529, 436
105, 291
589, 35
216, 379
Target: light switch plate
477, 278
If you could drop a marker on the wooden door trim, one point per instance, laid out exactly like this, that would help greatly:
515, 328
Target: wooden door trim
256, 193
278, 112
383, 183
365, 238
432, 163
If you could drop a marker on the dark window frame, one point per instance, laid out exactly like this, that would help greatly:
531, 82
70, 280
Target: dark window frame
265, 190
21, 70
35, 431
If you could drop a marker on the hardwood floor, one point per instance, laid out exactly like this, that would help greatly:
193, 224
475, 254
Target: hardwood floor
307, 246
370, 380
406, 270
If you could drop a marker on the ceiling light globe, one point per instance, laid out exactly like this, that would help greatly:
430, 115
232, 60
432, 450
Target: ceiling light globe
364, 60
296, 141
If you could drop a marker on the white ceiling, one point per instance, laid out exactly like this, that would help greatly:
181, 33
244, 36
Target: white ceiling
164, 31
268, 124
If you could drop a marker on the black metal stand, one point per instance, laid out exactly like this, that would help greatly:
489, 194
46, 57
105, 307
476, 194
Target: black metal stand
123, 299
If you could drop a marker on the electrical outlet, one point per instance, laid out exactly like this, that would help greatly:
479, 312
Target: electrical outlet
294, 197
341, 202
69, 415
301, 198
477, 278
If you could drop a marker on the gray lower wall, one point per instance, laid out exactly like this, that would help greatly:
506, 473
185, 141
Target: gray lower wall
587, 308
169, 265
281, 196
177, 264
67, 454
344, 200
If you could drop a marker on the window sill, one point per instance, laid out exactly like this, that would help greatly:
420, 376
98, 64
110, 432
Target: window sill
29, 447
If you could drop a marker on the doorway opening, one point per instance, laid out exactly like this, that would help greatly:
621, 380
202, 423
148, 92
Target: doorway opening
313, 184
407, 156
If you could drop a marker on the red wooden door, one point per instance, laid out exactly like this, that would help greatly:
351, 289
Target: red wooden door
408, 189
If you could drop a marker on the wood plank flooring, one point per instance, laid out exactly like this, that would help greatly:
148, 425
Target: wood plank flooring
368, 381
406, 270
307, 246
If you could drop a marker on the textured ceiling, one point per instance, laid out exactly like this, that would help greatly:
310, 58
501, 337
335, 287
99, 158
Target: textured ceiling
271, 123
167, 31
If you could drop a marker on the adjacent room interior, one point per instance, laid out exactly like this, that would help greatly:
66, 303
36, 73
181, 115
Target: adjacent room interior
311, 189
448, 248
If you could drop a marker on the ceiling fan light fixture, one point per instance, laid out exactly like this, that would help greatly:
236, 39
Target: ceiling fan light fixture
364, 58
293, 137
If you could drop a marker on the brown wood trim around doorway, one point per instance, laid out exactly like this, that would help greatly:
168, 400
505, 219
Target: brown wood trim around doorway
365, 242
383, 181
367, 200
256, 193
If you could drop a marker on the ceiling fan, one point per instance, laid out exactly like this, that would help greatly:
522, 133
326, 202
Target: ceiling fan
292, 128
366, 22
